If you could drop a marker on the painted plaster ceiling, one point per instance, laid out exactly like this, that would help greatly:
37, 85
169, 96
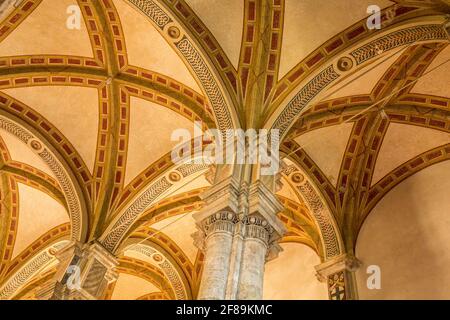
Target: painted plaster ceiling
103, 100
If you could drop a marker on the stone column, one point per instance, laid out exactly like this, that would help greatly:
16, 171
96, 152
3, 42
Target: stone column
238, 232
339, 274
258, 249
84, 273
218, 230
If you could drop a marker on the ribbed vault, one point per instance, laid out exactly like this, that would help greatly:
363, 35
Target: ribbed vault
86, 116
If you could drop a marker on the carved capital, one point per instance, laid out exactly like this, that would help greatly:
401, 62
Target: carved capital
273, 251
224, 221
258, 227
249, 210
199, 239
339, 274
90, 265
340, 263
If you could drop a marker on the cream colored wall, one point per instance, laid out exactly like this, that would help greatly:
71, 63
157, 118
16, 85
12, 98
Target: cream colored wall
363, 81
151, 127
129, 287
326, 147
436, 78
407, 235
72, 110
179, 229
224, 18
148, 49
38, 213
291, 276
309, 23
20, 152
45, 32
404, 142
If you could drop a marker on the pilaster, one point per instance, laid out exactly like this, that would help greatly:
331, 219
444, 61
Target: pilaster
339, 274
84, 272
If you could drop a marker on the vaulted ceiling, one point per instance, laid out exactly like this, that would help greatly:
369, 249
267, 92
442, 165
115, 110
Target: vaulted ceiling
86, 117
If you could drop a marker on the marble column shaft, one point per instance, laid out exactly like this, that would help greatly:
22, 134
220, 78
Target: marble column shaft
236, 250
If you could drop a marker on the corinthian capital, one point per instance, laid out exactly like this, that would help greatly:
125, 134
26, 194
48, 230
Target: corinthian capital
224, 221
340, 263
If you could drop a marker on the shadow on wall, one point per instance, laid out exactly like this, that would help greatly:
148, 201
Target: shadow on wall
407, 236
